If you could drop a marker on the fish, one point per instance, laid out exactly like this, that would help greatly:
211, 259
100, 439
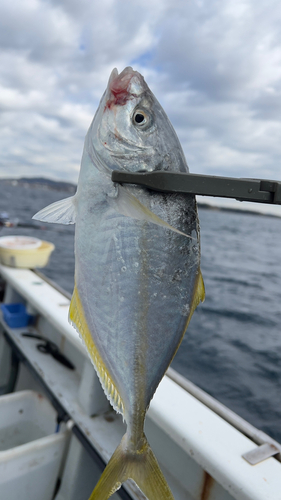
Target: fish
137, 267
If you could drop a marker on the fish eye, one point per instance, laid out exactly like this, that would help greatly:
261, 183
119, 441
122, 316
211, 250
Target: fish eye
141, 119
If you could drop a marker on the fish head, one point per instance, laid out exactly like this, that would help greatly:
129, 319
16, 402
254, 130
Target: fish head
131, 131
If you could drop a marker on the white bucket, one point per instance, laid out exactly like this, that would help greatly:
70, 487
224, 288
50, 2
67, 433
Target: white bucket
30, 451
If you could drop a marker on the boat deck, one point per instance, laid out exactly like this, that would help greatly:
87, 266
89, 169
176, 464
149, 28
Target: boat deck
199, 452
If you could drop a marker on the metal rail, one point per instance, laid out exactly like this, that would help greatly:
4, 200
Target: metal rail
256, 190
55, 285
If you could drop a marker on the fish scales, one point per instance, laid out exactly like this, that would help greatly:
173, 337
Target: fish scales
137, 267
132, 270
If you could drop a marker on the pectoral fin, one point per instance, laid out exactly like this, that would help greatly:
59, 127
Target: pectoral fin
127, 204
60, 212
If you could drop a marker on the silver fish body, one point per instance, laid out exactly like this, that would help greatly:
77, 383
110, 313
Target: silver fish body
139, 279
137, 267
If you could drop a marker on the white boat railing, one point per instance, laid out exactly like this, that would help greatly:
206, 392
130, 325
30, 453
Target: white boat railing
259, 437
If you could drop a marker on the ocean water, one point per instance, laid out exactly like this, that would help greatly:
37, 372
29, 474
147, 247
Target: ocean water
232, 348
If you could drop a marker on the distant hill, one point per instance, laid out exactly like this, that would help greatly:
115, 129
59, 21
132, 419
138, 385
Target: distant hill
220, 208
42, 182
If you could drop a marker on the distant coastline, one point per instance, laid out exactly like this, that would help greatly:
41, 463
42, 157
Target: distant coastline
42, 182
218, 208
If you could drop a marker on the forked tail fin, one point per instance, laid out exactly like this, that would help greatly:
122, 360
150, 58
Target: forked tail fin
142, 467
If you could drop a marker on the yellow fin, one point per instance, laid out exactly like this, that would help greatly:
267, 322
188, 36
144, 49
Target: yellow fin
78, 320
199, 294
140, 466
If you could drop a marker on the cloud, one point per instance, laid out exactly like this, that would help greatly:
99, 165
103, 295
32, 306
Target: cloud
33, 28
215, 66
55, 59
220, 83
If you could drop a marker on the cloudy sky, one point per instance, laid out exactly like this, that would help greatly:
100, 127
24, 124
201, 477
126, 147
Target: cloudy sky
214, 65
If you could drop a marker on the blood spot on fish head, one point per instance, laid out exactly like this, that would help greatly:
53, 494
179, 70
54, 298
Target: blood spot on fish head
120, 88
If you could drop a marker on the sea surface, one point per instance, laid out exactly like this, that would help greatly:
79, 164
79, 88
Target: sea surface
232, 348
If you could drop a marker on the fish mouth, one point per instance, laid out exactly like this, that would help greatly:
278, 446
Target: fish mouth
124, 86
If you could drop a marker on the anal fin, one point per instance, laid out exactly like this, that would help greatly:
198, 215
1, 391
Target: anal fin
78, 321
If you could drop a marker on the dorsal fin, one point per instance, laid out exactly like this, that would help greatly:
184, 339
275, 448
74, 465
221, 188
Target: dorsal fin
198, 296
199, 293
78, 320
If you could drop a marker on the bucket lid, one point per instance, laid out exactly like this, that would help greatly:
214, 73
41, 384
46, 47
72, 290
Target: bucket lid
19, 242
